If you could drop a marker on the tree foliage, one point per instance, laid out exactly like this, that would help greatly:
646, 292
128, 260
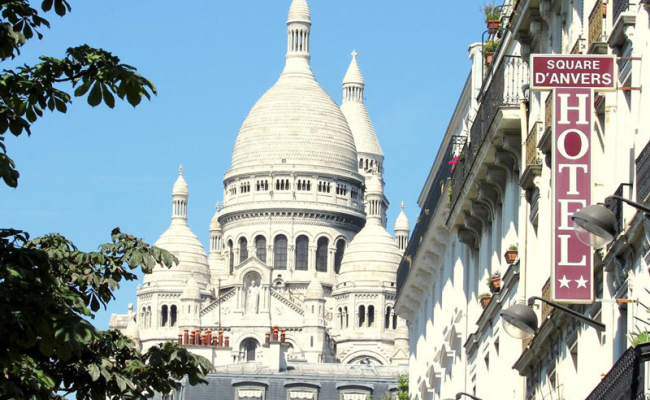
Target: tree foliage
49, 288
29, 90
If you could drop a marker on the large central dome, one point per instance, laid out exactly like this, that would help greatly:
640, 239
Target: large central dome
296, 122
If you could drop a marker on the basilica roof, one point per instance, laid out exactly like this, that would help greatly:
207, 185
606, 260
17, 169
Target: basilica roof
372, 255
295, 122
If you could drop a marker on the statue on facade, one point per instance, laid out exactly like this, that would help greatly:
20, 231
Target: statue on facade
253, 298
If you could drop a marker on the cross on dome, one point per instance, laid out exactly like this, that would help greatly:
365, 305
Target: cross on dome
354, 54
180, 170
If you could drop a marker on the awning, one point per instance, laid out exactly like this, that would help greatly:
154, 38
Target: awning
297, 394
250, 394
355, 396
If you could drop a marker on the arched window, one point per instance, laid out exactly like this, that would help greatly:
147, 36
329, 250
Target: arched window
243, 250
231, 261
387, 318
340, 318
361, 163
163, 316
394, 320
302, 253
345, 311
338, 256
173, 315
143, 317
249, 347
260, 248
362, 316
321, 254
148, 317
280, 252
371, 316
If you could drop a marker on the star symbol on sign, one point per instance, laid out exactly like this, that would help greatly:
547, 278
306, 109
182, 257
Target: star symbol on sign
582, 282
564, 282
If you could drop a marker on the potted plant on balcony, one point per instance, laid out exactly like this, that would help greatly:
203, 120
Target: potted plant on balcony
492, 12
511, 254
485, 298
489, 48
494, 282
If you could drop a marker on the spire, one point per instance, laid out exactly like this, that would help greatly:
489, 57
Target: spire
298, 33
374, 200
353, 82
180, 195
402, 229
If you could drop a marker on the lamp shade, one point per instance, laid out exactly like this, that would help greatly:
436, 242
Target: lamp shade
595, 225
519, 321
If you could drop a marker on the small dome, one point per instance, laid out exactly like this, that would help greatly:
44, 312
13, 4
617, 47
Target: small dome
353, 75
373, 185
299, 12
192, 290
371, 256
402, 222
214, 222
314, 290
180, 187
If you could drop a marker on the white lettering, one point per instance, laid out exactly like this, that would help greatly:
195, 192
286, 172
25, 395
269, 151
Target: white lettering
573, 176
565, 214
565, 108
564, 253
584, 144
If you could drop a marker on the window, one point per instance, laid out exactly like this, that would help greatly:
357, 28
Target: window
302, 393
173, 315
231, 261
371, 316
302, 253
282, 184
338, 256
262, 185
345, 312
243, 250
163, 316
321, 254
249, 348
387, 318
280, 252
362, 316
260, 248
340, 318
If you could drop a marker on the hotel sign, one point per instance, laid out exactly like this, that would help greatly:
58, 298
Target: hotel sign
573, 80
572, 71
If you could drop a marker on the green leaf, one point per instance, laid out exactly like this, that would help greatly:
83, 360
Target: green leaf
47, 5
83, 88
59, 8
93, 370
109, 99
95, 96
60, 106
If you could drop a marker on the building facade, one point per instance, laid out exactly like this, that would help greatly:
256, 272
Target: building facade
483, 239
300, 269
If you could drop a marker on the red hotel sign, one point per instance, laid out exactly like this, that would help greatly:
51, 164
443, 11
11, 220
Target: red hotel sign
572, 79
572, 71
573, 264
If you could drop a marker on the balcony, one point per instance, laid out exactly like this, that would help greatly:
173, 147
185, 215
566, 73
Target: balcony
597, 43
436, 193
643, 175
625, 381
619, 7
503, 91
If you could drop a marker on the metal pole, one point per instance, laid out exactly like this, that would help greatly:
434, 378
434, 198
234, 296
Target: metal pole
630, 202
593, 323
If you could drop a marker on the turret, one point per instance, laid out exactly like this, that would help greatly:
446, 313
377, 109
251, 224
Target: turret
298, 34
402, 228
190, 305
376, 203
216, 257
314, 320
180, 195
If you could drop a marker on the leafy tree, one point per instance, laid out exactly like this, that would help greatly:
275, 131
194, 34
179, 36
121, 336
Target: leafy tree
403, 388
49, 288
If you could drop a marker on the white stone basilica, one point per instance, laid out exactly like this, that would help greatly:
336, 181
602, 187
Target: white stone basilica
299, 241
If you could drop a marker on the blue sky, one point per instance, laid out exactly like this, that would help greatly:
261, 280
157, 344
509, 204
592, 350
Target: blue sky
91, 170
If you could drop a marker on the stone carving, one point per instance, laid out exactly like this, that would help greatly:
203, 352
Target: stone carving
253, 298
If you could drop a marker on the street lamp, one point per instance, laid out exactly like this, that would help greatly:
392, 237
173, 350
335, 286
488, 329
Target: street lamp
596, 225
461, 394
520, 321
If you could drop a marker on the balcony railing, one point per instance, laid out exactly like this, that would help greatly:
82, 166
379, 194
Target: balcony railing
625, 381
619, 7
548, 111
436, 193
504, 90
546, 294
532, 158
643, 175
596, 24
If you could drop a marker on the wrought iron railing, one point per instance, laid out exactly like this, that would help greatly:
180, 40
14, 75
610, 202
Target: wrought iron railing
501, 89
532, 158
619, 7
643, 175
596, 24
625, 381
437, 192
616, 207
